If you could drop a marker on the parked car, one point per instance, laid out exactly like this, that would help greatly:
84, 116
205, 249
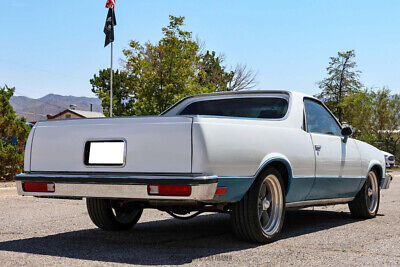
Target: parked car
252, 154
389, 159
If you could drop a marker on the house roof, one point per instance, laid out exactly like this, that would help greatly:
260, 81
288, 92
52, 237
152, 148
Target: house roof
80, 113
89, 114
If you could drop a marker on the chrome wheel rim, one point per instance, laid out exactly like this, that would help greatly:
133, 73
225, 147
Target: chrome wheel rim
372, 192
270, 204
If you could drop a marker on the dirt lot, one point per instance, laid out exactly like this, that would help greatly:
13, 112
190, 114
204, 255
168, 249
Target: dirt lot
59, 232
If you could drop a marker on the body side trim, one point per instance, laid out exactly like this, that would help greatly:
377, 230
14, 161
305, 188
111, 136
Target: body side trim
318, 202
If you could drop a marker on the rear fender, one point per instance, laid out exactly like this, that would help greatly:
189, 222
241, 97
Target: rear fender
238, 186
28, 149
277, 157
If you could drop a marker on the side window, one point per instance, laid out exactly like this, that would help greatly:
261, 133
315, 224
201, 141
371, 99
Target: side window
319, 120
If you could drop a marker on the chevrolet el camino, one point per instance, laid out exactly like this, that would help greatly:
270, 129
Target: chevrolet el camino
252, 154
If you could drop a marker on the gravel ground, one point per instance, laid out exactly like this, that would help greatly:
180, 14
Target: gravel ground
39, 232
6, 184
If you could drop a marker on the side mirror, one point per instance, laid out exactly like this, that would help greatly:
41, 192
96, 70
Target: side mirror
346, 132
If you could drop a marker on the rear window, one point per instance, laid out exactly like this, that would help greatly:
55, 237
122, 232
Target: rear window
263, 108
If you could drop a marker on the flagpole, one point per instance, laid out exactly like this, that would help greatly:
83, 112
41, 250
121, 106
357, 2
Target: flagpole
111, 82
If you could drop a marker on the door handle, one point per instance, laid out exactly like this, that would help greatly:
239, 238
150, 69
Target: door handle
317, 147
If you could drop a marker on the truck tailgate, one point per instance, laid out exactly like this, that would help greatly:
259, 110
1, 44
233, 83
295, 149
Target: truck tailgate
153, 144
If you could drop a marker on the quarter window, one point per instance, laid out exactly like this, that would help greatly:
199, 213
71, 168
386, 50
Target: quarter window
265, 108
319, 120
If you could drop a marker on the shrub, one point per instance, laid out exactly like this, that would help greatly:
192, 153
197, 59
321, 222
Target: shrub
13, 134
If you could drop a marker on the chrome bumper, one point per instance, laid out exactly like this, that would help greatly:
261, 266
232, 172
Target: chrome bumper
117, 186
386, 181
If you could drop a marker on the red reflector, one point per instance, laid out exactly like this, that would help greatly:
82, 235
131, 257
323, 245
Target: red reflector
220, 190
169, 190
38, 187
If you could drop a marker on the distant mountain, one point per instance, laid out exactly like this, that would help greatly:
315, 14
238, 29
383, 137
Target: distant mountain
37, 109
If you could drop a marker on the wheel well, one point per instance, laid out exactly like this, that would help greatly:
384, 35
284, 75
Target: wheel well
283, 170
378, 170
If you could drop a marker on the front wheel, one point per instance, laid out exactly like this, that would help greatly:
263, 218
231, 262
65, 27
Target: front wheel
113, 215
259, 216
366, 203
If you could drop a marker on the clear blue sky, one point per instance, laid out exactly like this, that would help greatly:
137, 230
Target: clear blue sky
53, 46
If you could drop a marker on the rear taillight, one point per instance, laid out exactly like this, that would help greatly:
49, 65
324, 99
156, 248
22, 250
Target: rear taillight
38, 187
220, 191
169, 190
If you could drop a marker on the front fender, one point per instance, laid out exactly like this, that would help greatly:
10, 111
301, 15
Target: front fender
382, 174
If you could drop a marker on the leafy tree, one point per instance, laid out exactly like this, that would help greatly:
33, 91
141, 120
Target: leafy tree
213, 73
342, 80
358, 110
155, 76
386, 120
161, 74
13, 134
375, 117
123, 100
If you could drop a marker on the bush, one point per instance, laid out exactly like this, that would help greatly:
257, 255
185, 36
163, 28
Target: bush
13, 134
11, 160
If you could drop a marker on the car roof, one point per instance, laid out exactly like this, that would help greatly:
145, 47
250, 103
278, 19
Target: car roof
241, 92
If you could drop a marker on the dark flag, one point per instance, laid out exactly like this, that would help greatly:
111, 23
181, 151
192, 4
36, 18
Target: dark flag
110, 23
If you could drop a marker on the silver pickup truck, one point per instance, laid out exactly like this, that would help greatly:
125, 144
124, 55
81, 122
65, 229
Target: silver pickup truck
252, 154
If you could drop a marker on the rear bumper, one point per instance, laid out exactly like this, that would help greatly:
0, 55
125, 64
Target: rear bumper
123, 186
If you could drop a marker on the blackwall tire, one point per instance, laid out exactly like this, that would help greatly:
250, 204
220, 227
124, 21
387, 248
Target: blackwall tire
111, 215
260, 215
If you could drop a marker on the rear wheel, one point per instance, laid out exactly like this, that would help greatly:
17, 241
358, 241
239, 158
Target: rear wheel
366, 203
113, 215
259, 216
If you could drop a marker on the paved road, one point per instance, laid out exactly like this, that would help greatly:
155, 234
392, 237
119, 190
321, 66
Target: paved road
39, 232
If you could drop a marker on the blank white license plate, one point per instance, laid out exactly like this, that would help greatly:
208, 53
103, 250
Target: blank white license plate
105, 153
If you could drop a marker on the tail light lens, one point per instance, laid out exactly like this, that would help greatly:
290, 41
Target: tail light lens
169, 190
38, 187
220, 191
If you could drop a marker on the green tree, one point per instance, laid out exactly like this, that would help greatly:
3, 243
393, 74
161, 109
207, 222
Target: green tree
358, 110
163, 73
155, 76
375, 117
213, 73
342, 80
13, 134
386, 120
123, 98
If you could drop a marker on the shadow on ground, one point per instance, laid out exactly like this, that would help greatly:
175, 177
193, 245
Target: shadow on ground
167, 241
